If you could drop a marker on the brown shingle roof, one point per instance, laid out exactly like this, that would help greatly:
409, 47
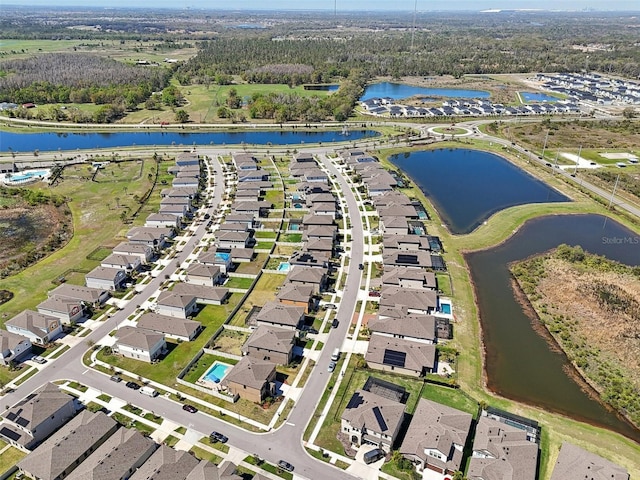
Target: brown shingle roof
272, 338
180, 327
417, 356
166, 464
275, 312
250, 372
138, 337
373, 412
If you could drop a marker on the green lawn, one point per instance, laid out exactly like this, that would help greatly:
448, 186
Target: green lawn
202, 365
265, 235
10, 457
238, 282
96, 209
451, 397
203, 454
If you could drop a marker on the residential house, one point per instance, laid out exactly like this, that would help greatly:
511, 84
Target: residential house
408, 277
128, 263
324, 245
201, 274
244, 162
171, 327
139, 344
258, 175
391, 198
417, 301
13, 347
252, 379
575, 463
394, 225
166, 220
107, 278
178, 212
215, 258
167, 463
39, 328
176, 201
320, 232
117, 458
187, 159
150, 236
187, 192
203, 294
240, 255
145, 252
436, 437
67, 310
404, 211
501, 451
177, 305
371, 419
30, 421
310, 259
233, 227
315, 198
418, 328
258, 208
407, 242
271, 344
181, 182
245, 218
306, 188
400, 356
206, 470
311, 276
191, 169
412, 259
324, 208
315, 175
63, 451
312, 219
89, 296
280, 315
298, 295
233, 239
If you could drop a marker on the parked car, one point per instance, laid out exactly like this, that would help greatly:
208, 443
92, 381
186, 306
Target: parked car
330, 305
218, 437
285, 466
189, 408
115, 378
361, 266
39, 359
332, 366
335, 323
374, 293
133, 385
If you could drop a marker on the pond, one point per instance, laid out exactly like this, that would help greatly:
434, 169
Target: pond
468, 186
537, 97
401, 90
519, 362
48, 141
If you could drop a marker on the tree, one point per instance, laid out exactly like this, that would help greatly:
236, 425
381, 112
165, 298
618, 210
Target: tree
629, 112
182, 116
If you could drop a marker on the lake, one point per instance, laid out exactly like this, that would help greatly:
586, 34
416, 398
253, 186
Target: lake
48, 141
401, 90
537, 97
518, 361
468, 186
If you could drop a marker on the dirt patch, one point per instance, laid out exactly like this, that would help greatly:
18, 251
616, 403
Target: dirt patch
29, 233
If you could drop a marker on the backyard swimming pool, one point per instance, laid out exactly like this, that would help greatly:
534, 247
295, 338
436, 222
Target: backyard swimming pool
26, 175
284, 267
217, 372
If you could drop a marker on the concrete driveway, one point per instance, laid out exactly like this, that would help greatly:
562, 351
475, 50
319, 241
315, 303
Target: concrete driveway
362, 470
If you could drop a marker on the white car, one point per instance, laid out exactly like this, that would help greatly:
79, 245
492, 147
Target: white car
39, 359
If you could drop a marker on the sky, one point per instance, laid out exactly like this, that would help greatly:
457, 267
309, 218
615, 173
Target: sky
422, 5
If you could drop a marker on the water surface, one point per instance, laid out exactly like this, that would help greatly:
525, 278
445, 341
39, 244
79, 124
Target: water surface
468, 186
47, 141
537, 97
520, 363
401, 90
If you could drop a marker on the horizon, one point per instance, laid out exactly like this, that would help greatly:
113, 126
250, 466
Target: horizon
495, 6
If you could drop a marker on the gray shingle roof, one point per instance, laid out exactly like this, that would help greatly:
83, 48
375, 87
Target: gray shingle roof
166, 464
415, 326
78, 292
122, 452
138, 337
575, 463
511, 455
35, 322
373, 412
439, 427
180, 327
270, 338
275, 312
417, 356
59, 452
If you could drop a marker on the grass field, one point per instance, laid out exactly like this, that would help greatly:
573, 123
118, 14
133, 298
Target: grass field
10, 457
96, 223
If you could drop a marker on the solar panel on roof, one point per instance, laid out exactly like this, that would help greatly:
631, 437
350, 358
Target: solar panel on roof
23, 422
394, 358
406, 258
355, 401
10, 434
380, 419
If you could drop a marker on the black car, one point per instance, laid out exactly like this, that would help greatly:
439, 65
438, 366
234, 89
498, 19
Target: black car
132, 385
285, 466
189, 408
361, 267
218, 437
335, 323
